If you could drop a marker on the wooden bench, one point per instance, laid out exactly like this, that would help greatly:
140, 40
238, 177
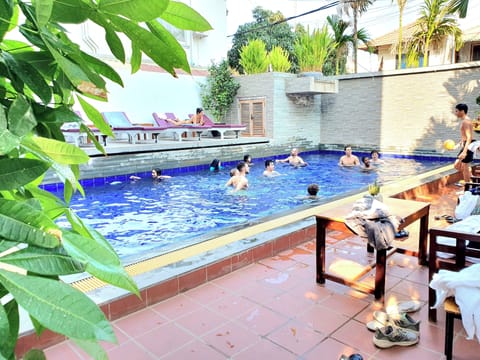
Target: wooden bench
409, 210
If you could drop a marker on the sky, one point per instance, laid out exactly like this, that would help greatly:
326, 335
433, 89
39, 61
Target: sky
382, 17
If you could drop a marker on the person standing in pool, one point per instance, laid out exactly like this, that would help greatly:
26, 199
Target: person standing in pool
242, 182
157, 175
348, 159
270, 169
375, 159
247, 159
466, 137
294, 159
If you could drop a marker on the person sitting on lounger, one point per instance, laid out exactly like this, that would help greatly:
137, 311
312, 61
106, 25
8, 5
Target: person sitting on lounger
196, 119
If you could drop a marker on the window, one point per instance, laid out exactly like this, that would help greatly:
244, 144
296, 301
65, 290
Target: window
404, 63
475, 52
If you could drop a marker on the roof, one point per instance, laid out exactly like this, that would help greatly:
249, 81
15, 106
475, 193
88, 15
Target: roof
472, 34
392, 37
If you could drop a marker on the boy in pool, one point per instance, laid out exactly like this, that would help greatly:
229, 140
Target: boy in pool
375, 158
234, 178
312, 190
269, 169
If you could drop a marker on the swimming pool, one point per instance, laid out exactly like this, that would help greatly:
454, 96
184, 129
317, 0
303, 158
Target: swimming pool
144, 218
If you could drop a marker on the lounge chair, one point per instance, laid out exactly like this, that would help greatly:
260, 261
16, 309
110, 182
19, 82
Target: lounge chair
178, 130
223, 128
74, 132
121, 125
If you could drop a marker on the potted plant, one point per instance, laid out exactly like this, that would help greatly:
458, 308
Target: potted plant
374, 191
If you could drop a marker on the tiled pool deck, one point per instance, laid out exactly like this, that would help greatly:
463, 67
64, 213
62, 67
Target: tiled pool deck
273, 308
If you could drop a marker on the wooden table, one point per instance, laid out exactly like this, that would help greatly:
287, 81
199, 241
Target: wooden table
409, 210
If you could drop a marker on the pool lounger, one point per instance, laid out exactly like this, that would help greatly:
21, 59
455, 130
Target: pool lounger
178, 130
223, 128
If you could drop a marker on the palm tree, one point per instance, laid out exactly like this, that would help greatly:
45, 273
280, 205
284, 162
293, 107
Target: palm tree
342, 40
460, 7
401, 6
358, 7
437, 22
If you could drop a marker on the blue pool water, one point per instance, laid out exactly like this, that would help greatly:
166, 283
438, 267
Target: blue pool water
145, 217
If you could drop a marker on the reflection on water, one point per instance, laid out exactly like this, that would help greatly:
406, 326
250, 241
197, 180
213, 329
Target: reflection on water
143, 216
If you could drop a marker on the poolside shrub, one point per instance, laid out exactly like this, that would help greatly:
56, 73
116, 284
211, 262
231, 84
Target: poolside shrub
312, 50
41, 78
219, 91
278, 59
253, 57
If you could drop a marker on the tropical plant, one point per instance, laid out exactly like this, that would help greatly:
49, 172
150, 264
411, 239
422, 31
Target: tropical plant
401, 7
267, 26
219, 91
313, 49
342, 40
436, 23
460, 7
41, 78
358, 7
278, 59
253, 57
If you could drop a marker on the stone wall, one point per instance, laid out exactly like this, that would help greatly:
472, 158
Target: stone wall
404, 111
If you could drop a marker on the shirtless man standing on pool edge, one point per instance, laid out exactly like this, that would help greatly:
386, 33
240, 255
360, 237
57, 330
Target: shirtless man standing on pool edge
466, 137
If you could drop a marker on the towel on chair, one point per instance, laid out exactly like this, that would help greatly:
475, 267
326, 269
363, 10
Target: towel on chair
469, 225
465, 286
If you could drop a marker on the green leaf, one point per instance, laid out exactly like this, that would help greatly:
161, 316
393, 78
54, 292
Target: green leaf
102, 68
18, 172
6, 12
94, 115
70, 11
35, 354
100, 261
43, 10
22, 223
20, 117
154, 47
8, 142
114, 43
92, 348
53, 302
9, 325
136, 10
44, 262
60, 151
136, 58
7, 245
30, 76
184, 17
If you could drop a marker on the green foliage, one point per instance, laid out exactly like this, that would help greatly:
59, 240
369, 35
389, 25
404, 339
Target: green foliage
278, 58
313, 49
437, 22
265, 28
219, 91
253, 57
40, 79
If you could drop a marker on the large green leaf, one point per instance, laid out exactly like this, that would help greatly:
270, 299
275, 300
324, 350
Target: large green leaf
43, 262
136, 10
94, 349
18, 172
94, 115
102, 68
135, 58
8, 142
61, 152
23, 223
9, 325
30, 76
6, 12
21, 120
99, 259
114, 43
154, 47
70, 11
58, 306
184, 17
43, 10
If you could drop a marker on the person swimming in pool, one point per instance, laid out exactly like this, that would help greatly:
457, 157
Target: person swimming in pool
294, 159
366, 165
157, 175
375, 159
348, 159
270, 169
234, 178
242, 183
